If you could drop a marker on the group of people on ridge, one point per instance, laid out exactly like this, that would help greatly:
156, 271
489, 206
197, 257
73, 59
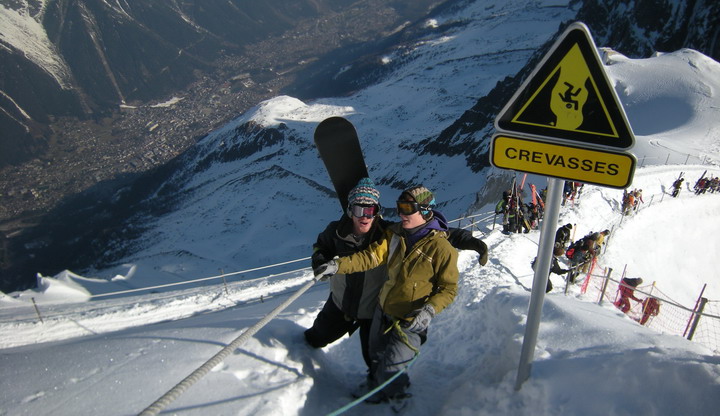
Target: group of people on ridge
518, 216
388, 281
571, 191
702, 185
580, 254
626, 292
631, 200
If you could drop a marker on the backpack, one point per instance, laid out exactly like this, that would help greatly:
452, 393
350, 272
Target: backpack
572, 248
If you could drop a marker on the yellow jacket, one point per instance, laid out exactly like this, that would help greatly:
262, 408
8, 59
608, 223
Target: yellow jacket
427, 274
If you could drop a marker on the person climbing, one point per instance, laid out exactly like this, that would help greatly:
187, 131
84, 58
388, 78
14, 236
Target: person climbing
651, 307
677, 185
637, 193
554, 267
579, 255
503, 207
595, 241
523, 223
626, 291
562, 236
568, 191
628, 202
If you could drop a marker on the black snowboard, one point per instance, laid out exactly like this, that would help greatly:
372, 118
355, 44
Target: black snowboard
339, 148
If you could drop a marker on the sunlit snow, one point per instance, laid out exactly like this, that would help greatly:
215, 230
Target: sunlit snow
97, 353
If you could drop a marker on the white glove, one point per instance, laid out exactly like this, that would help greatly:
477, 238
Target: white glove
422, 318
325, 270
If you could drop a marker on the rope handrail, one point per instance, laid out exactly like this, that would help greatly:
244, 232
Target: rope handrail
165, 295
186, 383
487, 216
204, 279
375, 390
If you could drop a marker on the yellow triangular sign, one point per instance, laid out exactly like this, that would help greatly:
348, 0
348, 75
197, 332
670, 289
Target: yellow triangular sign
569, 97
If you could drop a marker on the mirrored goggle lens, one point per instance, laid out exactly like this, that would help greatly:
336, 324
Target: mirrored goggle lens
407, 207
364, 211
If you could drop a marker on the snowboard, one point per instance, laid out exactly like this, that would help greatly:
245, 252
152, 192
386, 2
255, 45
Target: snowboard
339, 148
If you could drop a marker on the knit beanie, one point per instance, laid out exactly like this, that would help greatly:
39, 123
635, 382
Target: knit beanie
421, 195
364, 193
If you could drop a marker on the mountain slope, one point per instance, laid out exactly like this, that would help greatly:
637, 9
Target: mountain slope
258, 181
205, 205
105, 356
84, 59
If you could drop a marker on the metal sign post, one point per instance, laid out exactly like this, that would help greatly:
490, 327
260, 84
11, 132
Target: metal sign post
542, 270
564, 122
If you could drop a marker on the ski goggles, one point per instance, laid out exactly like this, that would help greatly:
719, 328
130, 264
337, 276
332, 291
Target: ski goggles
363, 211
409, 207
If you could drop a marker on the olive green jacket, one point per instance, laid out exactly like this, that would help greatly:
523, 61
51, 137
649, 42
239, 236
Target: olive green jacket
427, 274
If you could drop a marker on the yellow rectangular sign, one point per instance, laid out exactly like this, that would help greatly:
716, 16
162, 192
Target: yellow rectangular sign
612, 169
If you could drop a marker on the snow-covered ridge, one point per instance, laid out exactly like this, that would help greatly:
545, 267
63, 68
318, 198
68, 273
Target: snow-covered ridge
23, 31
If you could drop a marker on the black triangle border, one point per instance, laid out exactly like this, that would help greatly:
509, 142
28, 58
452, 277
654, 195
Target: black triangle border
576, 33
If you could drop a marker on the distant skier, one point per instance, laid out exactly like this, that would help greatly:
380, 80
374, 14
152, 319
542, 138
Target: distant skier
562, 236
651, 307
568, 191
554, 268
579, 255
626, 291
676, 187
637, 193
596, 241
628, 202
523, 222
714, 184
503, 207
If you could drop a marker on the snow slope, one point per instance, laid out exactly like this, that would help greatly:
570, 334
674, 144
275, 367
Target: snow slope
116, 355
590, 359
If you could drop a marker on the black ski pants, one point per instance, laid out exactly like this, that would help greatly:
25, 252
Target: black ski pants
331, 324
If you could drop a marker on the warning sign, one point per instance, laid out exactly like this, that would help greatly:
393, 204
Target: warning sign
569, 97
603, 168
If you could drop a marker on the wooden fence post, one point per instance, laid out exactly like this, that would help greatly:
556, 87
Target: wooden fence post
604, 286
703, 301
37, 310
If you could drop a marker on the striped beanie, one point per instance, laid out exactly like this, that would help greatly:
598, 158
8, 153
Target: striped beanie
421, 195
364, 193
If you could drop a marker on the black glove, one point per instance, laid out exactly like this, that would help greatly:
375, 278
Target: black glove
483, 252
325, 270
422, 318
